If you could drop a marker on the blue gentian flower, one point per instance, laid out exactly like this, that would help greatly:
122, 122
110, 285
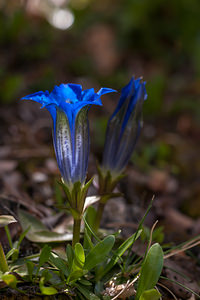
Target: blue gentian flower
124, 127
68, 105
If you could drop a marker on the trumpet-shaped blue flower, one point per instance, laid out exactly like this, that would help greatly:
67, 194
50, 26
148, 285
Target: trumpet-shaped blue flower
68, 105
124, 127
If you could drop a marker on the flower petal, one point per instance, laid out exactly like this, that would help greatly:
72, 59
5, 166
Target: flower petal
103, 91
40, 97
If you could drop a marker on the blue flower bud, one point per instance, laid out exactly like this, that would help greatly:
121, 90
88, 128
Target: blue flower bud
68, 105
124, 127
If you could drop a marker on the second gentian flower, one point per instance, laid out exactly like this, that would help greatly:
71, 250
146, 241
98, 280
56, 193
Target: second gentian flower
122, 133
124, 127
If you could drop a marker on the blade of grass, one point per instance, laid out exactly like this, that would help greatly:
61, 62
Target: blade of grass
139, 228
91, 231
180, 284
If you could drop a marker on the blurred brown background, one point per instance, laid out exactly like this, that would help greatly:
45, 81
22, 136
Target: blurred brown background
103, 43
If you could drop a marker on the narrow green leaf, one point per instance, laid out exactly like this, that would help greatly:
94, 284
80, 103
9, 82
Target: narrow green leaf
89, 218
87, 243
44, 255
99, 252
59, 263
66, 190
139, 228
87, 293
10, 280
3, 261
86, 186
152, 294
74, 276
47, 290
85, 282
70, 255
119, 252
11, 252
46, 275
90, 230
22, 236
76, 191
182, 285
30, 267
150, 270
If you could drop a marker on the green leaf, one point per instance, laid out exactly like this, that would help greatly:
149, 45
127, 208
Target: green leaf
89, 229
99, 252
6, 220
89, 218
150, 270
74, 276
70, 255
119, 252
3, 261
10, 280
152, 294
85, 282
11, 252
44, 255
66, 190
86, 186
30, 267
59, 263
77, 264
47, 290
46, 275
38, 232
86, 293
22, 236
79, 257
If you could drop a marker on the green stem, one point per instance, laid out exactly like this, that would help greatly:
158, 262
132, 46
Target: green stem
3, 261
8, 236
99, 214
76, 232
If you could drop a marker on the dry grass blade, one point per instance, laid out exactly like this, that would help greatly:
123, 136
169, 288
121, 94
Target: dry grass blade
185, 247
151, 234
158, 292
169, 291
